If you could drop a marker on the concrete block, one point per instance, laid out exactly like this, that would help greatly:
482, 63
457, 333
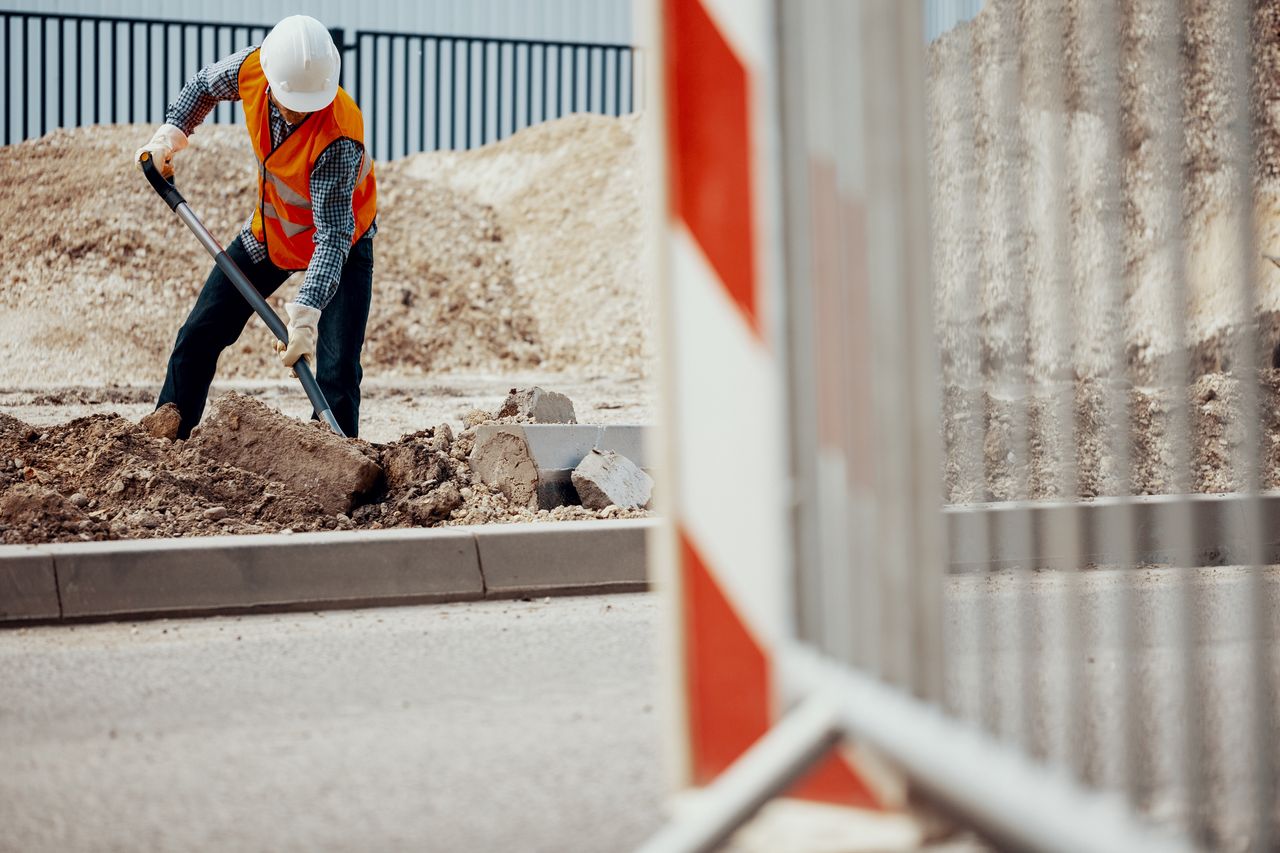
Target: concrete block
240, 572
605, 477
28, 586
501, 458
555, 450
563, 557
540, 405
629, 440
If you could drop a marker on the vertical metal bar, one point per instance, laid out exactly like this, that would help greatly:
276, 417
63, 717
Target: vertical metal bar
957, 238
439, 47
388, 139
44, 94
573, 79
182, 55
380, 144
26, 82
515, 86
617, 81
404, 117
559, 79
167, 74
147, 114
97, 74
1102, 28
422, 93
79, 70
590, 57
453, 94
62, 82
467, 129
497, 116
8, 88
546, 66
1252, 532
484, 92
528, 85
1185, 742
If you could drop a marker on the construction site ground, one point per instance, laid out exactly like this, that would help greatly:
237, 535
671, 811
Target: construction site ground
390, 408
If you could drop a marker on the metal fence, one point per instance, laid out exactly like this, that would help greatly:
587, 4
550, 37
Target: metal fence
418, 92
1006, 580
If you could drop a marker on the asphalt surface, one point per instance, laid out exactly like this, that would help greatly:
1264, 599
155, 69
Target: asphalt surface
531, 726
503, 726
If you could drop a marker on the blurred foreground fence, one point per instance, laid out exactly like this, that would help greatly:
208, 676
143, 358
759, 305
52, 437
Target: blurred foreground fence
951, 371
418, 92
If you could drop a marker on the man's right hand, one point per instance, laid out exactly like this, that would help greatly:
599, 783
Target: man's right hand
168, 140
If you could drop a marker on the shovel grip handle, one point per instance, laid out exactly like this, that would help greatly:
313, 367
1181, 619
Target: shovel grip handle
164, 187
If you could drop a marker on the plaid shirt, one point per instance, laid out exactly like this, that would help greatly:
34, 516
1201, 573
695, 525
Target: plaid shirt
333, 178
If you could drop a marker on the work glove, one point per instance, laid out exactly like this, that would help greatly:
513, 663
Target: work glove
304, 324
168, 140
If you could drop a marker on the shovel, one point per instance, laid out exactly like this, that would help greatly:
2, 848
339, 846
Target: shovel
178, 205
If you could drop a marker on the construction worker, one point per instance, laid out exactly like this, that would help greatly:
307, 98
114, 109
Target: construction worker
316, 211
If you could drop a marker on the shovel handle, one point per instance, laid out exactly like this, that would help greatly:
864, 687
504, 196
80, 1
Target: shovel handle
163, 186
167, 191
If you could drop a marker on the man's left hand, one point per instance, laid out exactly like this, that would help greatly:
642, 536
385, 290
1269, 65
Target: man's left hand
304, 324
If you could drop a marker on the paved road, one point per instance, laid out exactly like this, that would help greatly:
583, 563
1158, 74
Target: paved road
524, 726
498, 726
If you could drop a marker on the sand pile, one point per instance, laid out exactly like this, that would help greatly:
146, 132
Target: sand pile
1040, 202
106, 477
95, 265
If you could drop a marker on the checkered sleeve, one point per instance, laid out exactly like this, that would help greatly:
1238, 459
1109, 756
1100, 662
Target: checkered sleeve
333, 182
218, 81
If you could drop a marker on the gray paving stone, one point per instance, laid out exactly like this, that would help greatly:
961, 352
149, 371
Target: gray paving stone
28, 588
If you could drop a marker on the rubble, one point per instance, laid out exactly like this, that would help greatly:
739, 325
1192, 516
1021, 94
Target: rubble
606, 478
536, 405
502, 459
163, 422
305, 456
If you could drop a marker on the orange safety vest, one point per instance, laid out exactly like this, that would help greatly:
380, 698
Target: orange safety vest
283, 219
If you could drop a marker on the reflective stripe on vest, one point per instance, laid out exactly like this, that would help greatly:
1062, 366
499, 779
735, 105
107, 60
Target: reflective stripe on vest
291, 229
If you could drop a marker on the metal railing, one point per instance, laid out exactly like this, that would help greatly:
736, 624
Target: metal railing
418, 92
427, 92
989, 277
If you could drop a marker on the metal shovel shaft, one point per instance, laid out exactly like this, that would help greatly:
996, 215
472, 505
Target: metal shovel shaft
232, 270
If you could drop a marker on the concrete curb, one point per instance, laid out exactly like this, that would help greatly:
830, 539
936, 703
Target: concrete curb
203, 576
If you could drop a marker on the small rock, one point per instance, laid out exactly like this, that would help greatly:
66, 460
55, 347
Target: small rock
215, 513
605, 477
163, 422
538, 405
79, 499
149, 521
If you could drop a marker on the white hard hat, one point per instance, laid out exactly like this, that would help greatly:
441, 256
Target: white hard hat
302, 64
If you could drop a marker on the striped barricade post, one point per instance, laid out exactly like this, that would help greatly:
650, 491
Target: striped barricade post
919, 551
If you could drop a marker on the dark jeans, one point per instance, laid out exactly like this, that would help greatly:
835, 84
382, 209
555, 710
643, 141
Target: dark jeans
220, 314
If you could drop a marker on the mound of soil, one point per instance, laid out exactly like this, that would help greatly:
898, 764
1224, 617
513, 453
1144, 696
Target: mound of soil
466, 278
106, 477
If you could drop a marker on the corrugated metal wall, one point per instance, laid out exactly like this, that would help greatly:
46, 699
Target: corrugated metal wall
556, 20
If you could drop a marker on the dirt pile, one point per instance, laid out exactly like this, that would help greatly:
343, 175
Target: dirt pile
467, 279
106, 477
